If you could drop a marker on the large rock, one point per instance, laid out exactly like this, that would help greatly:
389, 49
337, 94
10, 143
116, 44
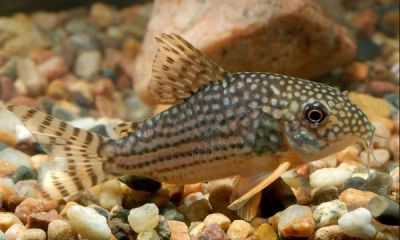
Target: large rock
291, 37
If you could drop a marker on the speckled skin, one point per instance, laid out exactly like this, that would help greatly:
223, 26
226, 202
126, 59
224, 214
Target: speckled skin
245, 122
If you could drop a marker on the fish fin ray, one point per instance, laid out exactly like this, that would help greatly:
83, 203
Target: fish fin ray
75, 160
246, 188
179, 70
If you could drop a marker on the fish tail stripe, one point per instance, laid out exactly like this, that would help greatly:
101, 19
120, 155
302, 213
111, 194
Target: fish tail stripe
75, 165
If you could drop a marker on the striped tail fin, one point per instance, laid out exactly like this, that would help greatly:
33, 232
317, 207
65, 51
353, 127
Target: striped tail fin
76, 164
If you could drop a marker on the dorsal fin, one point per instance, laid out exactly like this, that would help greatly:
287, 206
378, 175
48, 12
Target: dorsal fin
124, 129
179, 70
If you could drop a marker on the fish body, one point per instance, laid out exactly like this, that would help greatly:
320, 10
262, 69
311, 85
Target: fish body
251, 125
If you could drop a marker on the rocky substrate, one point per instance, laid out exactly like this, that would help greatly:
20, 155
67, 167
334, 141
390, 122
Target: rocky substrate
77, 65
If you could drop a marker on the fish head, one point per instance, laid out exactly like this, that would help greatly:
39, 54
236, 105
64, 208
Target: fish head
321, 120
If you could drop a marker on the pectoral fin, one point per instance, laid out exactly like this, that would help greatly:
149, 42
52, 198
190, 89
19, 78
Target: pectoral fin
247, 191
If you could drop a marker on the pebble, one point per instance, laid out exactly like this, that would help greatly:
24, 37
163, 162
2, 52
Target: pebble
239, 229
379, 183
163, 229
110, 194
61, 230
23, 173
149, 234
2, 236
88, 223
328, 213
367, 49
33, 82
385, 210
15, 157
33, 234
355, 182
102, 15
296, 221
395, 177
42, 219
196, 211
357, 223
330, 233
171, 213
87, 64
329, 177
266, 232
15, 231
121, 230
223, 221
325, 194
354, 198
53, 68
356, 71
219, 199
212, 231
394, 147
33, 205
144, 218
179, 230
348, 154
389, 23
7, 220
380, 158
196, 228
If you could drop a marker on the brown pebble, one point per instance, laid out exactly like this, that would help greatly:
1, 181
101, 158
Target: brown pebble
220, 199
13, 202
53, 68
61, 230
7, 90
131, 47
390, 23
42, 219
6, 168
57, 89
179, 230
356, 72
26, 101
6, 191
380, 88
33, 205
8, 138
365, 21
354, 198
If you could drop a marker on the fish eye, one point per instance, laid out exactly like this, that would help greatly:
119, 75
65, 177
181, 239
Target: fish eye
315, 113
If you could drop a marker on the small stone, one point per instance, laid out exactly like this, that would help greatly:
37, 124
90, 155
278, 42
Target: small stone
349, 153
7, 90
389, 23
196, 211
355, 182
356, 71
6, 191
120, 213
110, 194
7, 220
144, 218
383, 131
61, 230
15, 231
2, 236
296, 221
331, 232
53, 68
179, 230
171, 213
42, 219
220, 199
33, 234
33, 205
57, 89
379, 183
195, 229
389, 233
102, 15
394, 147
354, 198
149, 234
163, 229
15, 157
131, 47
239, 229
121, 230
381, 157
384, 210
88, 223
329, 177
328, 213
30, 77
364, 22
266, 232
357, 223
212, 231
23, 173
6, 168
367, 49
371, 105
395, 177
87, 64
223, 221
13, 202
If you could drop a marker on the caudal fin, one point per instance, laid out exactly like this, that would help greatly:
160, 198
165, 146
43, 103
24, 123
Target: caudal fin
76, 164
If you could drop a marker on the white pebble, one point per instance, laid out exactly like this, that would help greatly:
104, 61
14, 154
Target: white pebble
328, 213
381, 156
15, 231
111, 194
329, 177
144, 218
239, 229
33, 234
357, 224
87, 64
16, 157
150, 234
88, 223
